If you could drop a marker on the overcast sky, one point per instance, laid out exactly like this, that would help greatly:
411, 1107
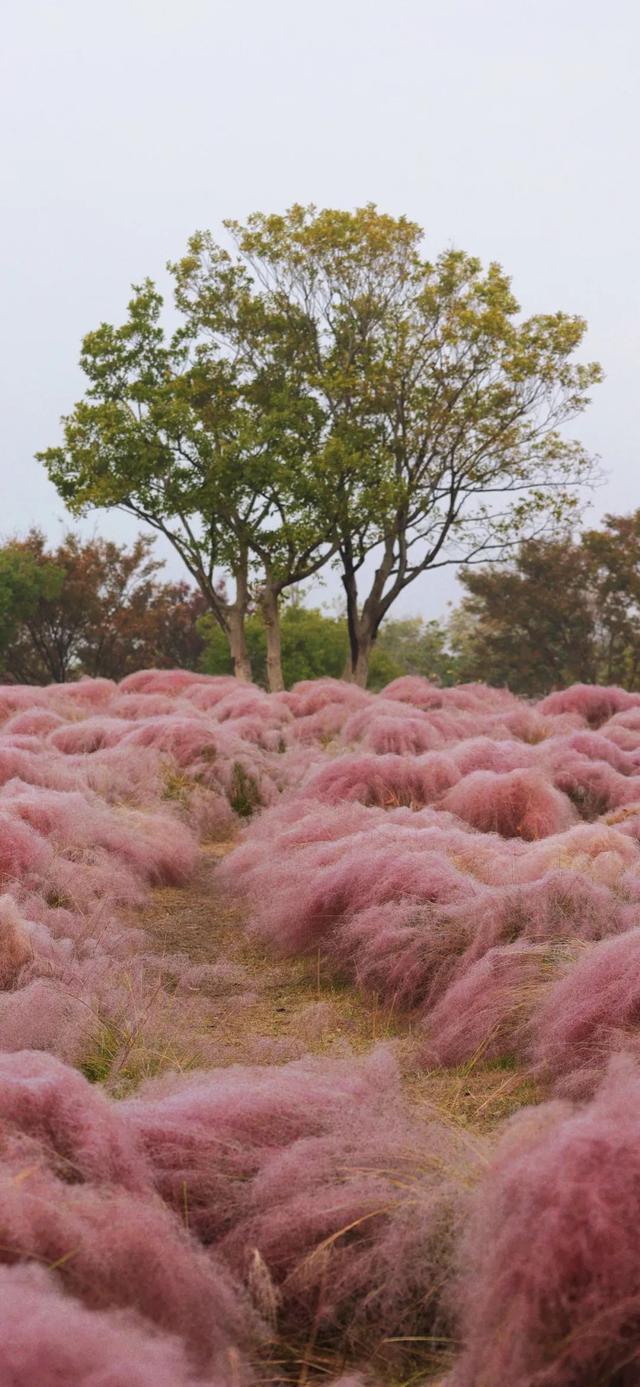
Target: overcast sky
506, 127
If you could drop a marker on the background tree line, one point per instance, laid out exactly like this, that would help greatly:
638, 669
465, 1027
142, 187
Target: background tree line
558, 611
329, 396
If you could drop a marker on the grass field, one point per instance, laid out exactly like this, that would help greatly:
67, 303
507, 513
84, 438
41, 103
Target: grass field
318, 1034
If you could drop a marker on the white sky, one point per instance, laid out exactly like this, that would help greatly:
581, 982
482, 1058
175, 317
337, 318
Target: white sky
507, 127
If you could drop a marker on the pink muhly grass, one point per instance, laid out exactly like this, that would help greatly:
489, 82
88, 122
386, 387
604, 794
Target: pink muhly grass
15, 945
20, 698
49, 1339
484, 1014
22, 849
88, 735
321, 728
164, 681
205, 695
599, 851
412, 688
315, 1173
246, 701
550, 1274
135, 707
388, 726
487, 754
591, 1012
481, 698
79, 1199
187, 739
32, 721
300, 900
519, 803
42, 1015
593, 786
155, 846
403, 952
311, 695
76, 1127
597, 746
386, 781
593, 702
35, 767
114, 1249
86, 694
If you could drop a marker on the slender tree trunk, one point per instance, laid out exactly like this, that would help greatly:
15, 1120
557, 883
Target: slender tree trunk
363, 624
235, 615
269, 607
238, 644
361, 642
353, 622
360, 672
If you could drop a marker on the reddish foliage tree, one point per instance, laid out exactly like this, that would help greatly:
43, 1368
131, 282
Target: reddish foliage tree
109, 616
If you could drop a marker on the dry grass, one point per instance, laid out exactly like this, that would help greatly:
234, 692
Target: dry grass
274, 1011
266, 1016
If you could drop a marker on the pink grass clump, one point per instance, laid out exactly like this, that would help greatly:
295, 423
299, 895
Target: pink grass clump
484, 1014
310, 695
517, 804
386, 725
22, 849
73, 1123
591, 1012
412, 688
42, 1014
488, 754
173, 682
550, 1270
385, 781
300, 898
48, 1339
15, 945
593, 702
318, 1188
88, 735
85, 695
158, 848
79, 1199
32, 722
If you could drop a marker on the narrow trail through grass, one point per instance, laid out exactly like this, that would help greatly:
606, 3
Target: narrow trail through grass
281, 1008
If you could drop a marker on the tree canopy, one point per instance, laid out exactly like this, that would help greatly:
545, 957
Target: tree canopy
330, 395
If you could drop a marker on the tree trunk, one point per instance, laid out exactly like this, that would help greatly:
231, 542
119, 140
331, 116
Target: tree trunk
363, 624
360, 671
361, 642
238, 643
271, 617
362, 633
235, 617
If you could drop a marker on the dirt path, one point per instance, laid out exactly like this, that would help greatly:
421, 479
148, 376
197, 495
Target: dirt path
273, 1009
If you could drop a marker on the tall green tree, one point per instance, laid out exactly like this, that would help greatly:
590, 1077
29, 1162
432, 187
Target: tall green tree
202, 435
440, 407
328, 394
